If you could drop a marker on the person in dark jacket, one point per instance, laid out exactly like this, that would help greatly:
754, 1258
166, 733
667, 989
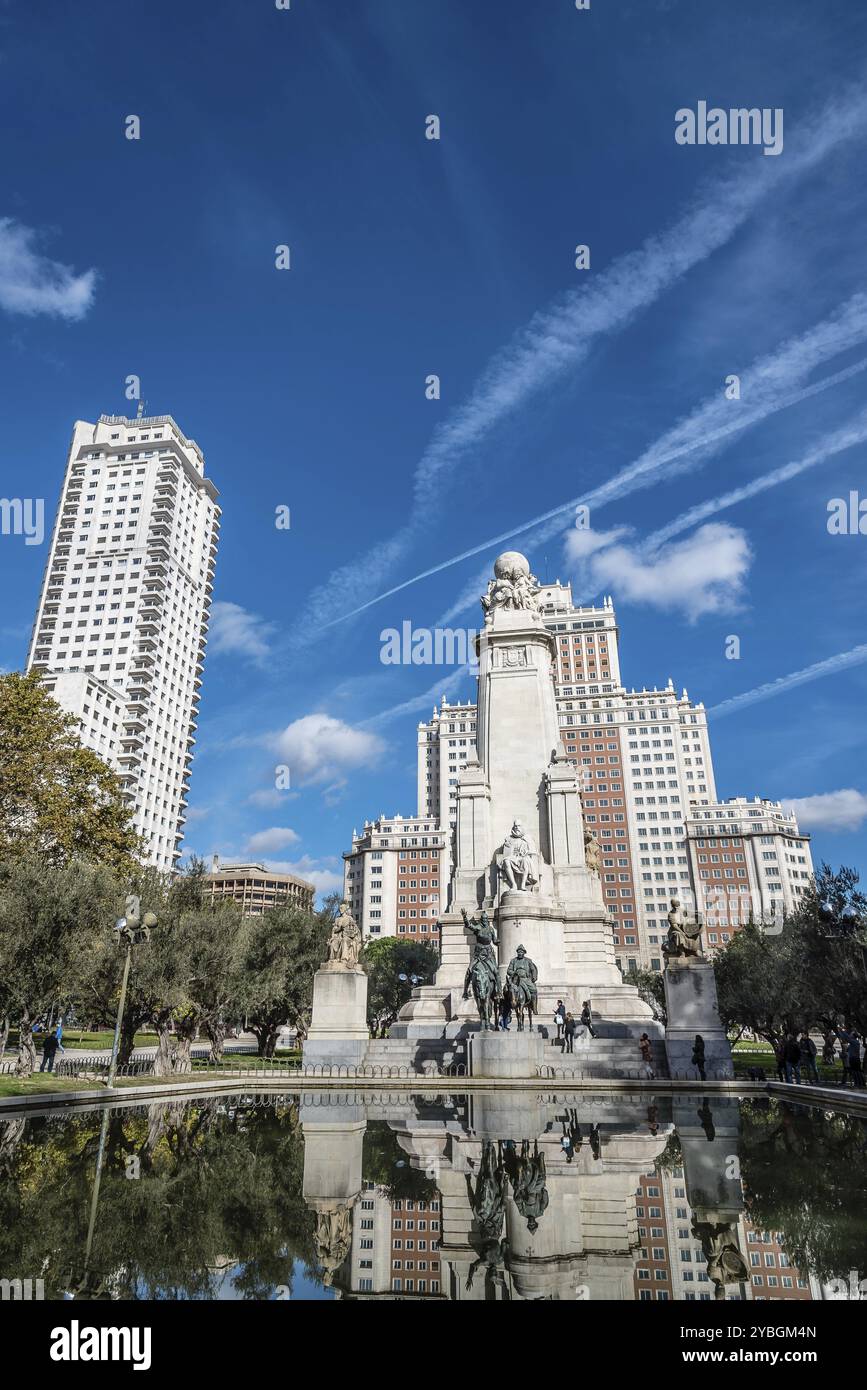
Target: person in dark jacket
808, 1057
856, 1070
587, 1018
698, 1055
569, 1028
792, 1059
50, 1045
560, 1018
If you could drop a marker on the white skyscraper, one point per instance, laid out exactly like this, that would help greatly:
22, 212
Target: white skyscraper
122, 623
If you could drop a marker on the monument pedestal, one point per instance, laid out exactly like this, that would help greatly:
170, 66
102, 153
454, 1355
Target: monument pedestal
505, 1055
691, 1004
338, 1031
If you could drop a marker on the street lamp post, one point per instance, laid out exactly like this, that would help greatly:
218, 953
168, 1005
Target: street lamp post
132, 929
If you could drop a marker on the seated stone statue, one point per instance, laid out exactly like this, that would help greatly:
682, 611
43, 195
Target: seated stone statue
684, 938
518, 864
344, 944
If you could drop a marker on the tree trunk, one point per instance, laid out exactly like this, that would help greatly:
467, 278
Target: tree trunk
266, 1035
216, 1032
4, 1034
26, 1064
164, 1059
182, 1059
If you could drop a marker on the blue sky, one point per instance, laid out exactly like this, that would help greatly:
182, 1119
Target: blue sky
409, 256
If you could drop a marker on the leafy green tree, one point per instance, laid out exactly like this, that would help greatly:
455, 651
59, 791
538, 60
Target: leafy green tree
282, 950
811, 973
57, 798
833, 921
385, 961
651, 989
52, 919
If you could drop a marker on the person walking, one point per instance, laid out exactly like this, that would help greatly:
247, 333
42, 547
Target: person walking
856, 1070
569, 1033
846, 1051
566, 1145
587, 1018
808, 1057
698, 1055
560, 1018
505, 1011
645, 1047
792, 1059
49, 1050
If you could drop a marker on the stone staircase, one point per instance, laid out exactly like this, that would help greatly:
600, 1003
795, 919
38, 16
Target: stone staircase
417, 1054
612, 1053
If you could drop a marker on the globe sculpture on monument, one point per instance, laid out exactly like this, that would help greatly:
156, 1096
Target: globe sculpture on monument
525, 869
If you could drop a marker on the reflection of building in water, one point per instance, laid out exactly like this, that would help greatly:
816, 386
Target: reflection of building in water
692, 1224
556, 1197
395, 1245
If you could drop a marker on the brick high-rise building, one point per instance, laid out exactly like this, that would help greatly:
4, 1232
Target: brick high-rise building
122, 622
393, 876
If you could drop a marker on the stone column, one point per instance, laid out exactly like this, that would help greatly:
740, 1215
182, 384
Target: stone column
338, 1030
691, 1005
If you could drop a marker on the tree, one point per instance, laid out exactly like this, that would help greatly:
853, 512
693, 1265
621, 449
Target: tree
57, 798
651, 988
385, 961
813, 972
760, 982
51, 922
282, 951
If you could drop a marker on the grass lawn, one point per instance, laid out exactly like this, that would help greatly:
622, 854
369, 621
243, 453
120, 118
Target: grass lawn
37, 1083
759, 1054
77, 1038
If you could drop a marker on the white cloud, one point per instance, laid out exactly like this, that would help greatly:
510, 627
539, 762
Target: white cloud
270, 841
270, 797
841, 810
322, 873
235, 631
31, 283
703, 574
319, 748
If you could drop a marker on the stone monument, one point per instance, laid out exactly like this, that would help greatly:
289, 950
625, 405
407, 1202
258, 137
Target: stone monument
523, 854
691, 1004
338, 1033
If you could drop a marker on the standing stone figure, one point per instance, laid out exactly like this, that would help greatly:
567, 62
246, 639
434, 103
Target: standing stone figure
684, 938
518, 863
344, 944
521, 978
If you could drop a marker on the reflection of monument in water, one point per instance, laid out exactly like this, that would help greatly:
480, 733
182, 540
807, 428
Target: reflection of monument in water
537, 1194
522, 854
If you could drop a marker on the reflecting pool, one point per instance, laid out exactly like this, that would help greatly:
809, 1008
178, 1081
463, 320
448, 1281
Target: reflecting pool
483, 1195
